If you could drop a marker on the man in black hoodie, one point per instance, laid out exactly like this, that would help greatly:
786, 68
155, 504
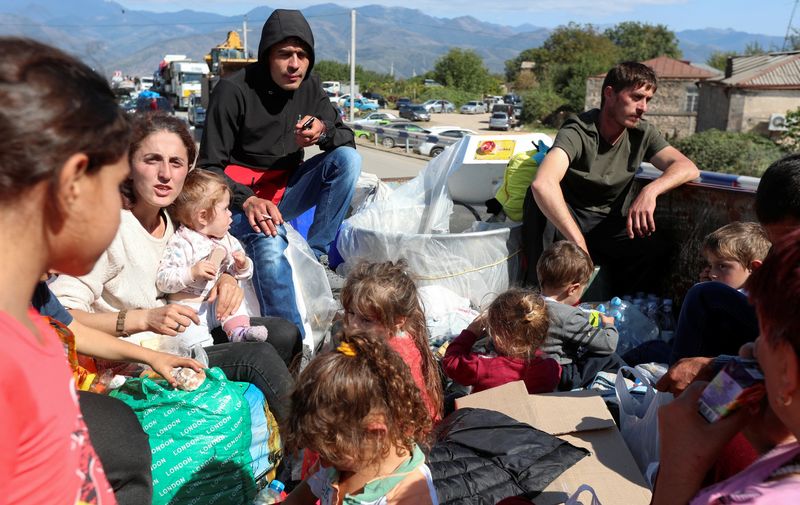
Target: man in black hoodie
257, 124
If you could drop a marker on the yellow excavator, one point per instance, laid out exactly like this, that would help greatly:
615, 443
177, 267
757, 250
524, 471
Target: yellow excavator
222, 60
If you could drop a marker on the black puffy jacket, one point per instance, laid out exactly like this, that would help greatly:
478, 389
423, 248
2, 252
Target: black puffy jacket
482, 457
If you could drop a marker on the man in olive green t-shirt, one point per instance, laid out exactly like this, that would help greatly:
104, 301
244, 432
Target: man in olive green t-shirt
581, 187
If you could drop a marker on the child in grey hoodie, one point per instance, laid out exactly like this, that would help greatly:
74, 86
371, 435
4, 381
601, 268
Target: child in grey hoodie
582, 342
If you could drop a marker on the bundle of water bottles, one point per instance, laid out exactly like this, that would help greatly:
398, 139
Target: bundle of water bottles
638, 319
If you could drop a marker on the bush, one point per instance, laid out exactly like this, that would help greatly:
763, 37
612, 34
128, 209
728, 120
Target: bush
790, 139
540, 103
730, 152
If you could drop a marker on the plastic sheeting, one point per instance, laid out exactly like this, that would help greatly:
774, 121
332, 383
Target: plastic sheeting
413, 224
314, 298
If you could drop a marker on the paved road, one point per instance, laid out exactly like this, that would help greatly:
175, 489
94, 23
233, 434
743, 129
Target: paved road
384, 163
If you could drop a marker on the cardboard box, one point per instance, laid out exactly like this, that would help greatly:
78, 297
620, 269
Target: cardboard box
582, 419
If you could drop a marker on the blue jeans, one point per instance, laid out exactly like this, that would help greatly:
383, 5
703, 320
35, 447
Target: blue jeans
327, 180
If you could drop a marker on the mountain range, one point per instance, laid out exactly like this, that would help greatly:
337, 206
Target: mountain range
108, 36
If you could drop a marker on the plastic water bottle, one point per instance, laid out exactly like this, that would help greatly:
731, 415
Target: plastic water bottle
651, 311
667, 321
633, 327
271, 494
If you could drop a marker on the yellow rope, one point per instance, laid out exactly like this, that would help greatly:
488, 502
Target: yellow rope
476, 269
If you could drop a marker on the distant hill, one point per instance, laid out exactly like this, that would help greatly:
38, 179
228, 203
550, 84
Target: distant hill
109, 37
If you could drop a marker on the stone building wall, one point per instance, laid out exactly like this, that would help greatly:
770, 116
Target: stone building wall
760, 104
712, 110
667, 109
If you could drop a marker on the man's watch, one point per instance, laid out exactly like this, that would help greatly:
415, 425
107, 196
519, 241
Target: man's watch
324, 135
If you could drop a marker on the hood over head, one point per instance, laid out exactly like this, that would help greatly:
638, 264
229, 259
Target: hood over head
282, 24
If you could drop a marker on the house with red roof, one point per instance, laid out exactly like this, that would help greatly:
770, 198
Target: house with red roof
754, 92
674, 108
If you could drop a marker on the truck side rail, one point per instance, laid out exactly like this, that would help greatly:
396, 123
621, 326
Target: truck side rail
410, 139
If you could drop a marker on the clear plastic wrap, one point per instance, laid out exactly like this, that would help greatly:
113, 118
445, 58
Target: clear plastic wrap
413, 223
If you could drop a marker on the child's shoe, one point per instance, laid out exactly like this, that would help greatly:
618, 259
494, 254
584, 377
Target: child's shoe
248, 334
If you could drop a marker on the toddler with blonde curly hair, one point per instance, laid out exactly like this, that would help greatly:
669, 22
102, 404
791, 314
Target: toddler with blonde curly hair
516, 323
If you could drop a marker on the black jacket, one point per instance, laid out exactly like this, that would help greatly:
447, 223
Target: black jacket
250, 120
482, 457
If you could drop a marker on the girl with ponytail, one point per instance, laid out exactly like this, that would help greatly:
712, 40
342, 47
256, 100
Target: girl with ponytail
516, 322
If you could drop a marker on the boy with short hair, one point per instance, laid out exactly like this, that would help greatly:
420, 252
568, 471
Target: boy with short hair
582, 342
733, 252
715, 318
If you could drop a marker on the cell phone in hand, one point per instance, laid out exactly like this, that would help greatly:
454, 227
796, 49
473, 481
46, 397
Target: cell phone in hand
307, 124
740, 383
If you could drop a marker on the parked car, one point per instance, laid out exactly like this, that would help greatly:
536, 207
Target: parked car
377, 98
128, 105
499, 121
390, 141
341, 112
376, 117
340, 99
473, 107
512, 98
196, 113
415, 113
434, 149
439, 106
360, 104
508, 109
402, 102
430, 83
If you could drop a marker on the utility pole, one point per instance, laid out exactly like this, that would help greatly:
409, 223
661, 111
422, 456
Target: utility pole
244, 36
789, 26
352, 65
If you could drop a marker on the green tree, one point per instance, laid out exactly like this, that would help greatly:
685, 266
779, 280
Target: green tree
753, 48
463, 69
539, 103
367, 79
719, 59
332, 70
643, 41
569, 56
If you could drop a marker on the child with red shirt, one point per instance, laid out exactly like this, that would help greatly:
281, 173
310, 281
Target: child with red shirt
516, 323
382, 298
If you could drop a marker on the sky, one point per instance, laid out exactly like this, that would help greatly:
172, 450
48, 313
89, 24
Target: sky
769, 17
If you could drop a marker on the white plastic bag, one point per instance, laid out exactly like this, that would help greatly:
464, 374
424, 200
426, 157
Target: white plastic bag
585, 488
369, 188
315, 301
638, 420
413, 224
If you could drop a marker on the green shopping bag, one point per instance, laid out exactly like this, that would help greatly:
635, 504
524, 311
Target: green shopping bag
200, 439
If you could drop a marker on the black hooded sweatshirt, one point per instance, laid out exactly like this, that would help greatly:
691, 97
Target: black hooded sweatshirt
250, 119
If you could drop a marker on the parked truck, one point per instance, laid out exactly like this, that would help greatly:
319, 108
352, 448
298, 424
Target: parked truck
222, 60
178, 78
